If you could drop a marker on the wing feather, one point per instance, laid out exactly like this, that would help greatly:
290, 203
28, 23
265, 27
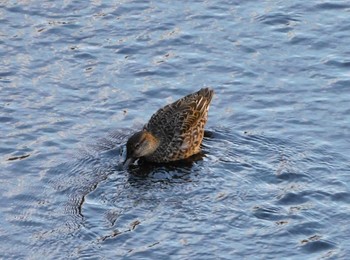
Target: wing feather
180, 116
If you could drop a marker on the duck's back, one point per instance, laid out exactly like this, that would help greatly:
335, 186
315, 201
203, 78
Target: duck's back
180, 126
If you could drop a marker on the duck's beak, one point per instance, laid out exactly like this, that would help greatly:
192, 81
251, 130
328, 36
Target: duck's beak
127, 162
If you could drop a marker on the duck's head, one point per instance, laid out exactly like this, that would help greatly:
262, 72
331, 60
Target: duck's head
140, 144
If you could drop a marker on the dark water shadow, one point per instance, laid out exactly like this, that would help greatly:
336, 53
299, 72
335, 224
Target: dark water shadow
144, 169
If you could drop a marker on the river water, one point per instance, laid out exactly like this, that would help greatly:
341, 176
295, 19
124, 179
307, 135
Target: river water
78, 77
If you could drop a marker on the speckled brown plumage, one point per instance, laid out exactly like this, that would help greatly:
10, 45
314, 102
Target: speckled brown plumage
174, 132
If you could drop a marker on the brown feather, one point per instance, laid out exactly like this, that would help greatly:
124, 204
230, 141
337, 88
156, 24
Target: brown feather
178, 128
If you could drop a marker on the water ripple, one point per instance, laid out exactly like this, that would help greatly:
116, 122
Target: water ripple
275, 164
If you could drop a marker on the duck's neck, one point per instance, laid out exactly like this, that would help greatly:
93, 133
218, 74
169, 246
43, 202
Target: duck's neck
153, 142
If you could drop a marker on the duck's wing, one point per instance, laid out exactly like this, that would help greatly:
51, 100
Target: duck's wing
179, 117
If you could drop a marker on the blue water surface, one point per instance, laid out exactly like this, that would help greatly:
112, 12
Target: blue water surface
78, 77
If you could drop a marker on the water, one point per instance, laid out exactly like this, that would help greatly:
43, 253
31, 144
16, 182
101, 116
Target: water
77, 78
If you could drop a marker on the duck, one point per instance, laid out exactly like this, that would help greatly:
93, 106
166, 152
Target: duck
175, 132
